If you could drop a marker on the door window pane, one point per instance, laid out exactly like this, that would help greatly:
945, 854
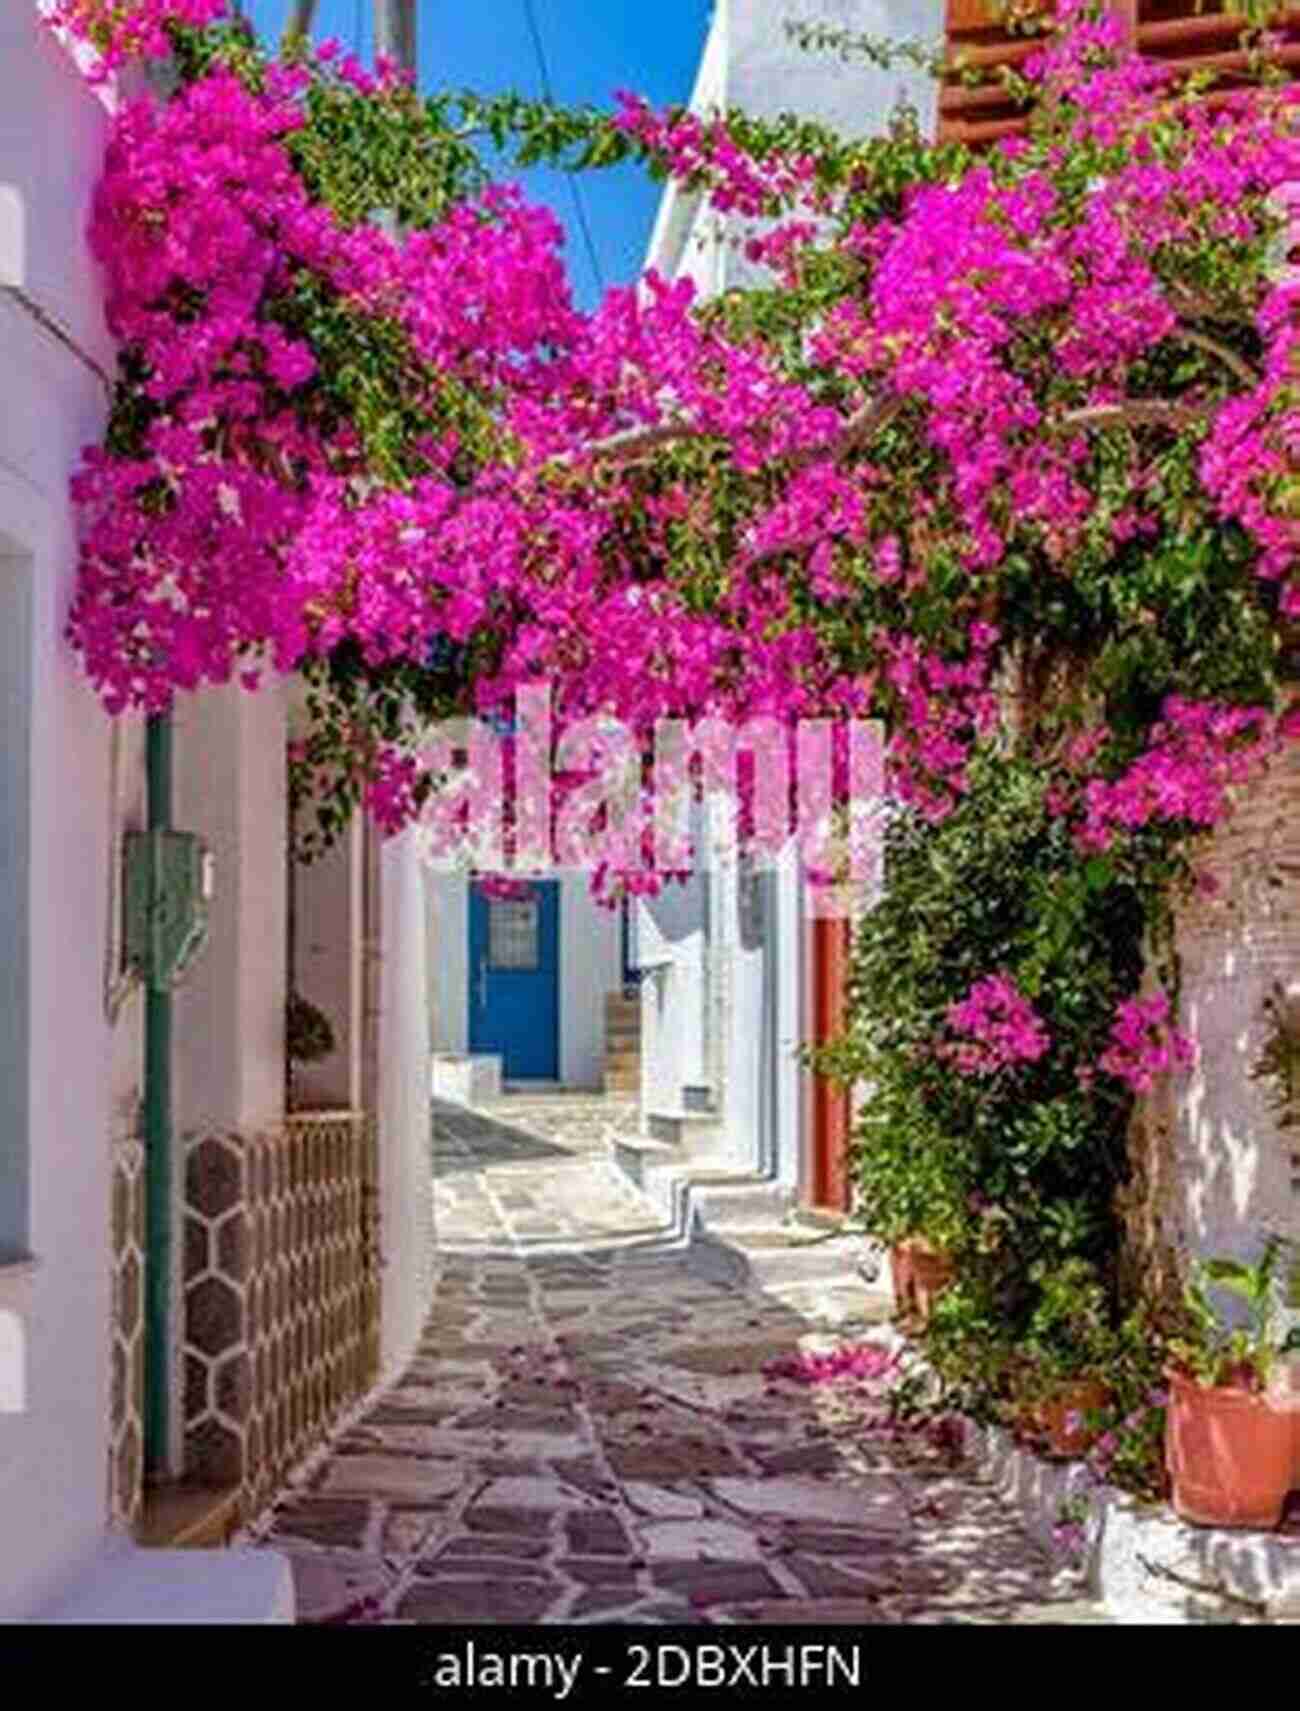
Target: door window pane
513, 936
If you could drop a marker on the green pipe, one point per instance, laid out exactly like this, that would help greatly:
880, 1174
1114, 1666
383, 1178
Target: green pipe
158, 1143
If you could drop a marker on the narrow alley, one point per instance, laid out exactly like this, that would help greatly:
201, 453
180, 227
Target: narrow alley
597, 1427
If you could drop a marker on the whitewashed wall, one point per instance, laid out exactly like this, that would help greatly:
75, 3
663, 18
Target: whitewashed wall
228, 1028
327, 956
671, 951
406, 1204
749, 62
448, 942
53, 1455
590, 967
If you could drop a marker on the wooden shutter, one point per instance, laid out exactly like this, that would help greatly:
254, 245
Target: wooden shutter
1177, 31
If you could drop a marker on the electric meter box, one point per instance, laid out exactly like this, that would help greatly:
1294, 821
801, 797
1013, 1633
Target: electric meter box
167, 891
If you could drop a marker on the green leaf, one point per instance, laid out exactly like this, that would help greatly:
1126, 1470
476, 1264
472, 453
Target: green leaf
1098, 873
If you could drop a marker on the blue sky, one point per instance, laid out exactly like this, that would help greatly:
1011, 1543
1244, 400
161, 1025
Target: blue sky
592, 47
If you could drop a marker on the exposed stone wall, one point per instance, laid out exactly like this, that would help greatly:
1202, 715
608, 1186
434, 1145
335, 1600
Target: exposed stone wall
126, 1335
1213, 1170
281, 1295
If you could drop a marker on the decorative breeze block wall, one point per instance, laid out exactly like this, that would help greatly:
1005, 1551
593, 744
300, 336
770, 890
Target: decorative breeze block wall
126, 1335
281, 1295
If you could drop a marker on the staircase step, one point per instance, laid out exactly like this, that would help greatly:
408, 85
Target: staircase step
777, 1255
819, 1219
692, 1132
741, 1202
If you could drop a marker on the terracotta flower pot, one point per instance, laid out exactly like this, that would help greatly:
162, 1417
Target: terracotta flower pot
921, 1273
1067, 1437
900, 1265
1229, 1455
934, 1271
1026, 1422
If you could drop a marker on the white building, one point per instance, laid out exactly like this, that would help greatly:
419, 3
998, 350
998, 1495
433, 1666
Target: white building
223, 1376
728, 961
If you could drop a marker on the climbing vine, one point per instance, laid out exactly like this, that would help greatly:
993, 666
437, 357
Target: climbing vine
999, 450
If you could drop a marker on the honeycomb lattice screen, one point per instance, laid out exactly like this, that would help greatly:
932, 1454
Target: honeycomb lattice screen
1204, 38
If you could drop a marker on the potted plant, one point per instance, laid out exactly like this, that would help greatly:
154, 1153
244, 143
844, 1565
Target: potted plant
1068, 1350
1229, 1449
907, 1199
928, 1270
308, 1037
924, 1264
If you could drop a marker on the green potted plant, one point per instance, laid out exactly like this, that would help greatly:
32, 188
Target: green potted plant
907, 1198
924, 1267
308, 1037
1068, 1350
1230, 1451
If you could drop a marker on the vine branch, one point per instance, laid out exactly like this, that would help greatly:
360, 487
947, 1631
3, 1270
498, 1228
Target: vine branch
1238, 364
630, 443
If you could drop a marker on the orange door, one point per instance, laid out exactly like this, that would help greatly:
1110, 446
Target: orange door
828, 1176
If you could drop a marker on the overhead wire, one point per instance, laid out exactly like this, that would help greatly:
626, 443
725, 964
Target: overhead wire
579, 206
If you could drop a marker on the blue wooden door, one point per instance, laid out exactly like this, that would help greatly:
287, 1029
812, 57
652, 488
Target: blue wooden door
514, 980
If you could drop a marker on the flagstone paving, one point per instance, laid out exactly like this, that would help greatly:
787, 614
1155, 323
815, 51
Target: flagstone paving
586, 1433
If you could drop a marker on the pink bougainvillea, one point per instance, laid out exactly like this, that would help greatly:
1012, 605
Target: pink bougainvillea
1144, 1043
250, 528
1000, 1029
667, 510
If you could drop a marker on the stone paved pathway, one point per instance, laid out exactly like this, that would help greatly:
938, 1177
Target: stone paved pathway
586, 1434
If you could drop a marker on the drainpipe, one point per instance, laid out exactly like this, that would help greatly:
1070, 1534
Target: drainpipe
158, 1144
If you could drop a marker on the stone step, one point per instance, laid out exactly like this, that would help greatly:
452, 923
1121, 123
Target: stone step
726, 1200
836, 1302
693, 1133
657, 1170
776, 1254
841, 1280
819, 1219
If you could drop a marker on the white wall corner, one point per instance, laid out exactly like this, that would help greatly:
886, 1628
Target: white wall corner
13, 1362
13, 236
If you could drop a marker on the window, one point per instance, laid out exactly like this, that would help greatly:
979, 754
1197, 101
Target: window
513, 934
15, 865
